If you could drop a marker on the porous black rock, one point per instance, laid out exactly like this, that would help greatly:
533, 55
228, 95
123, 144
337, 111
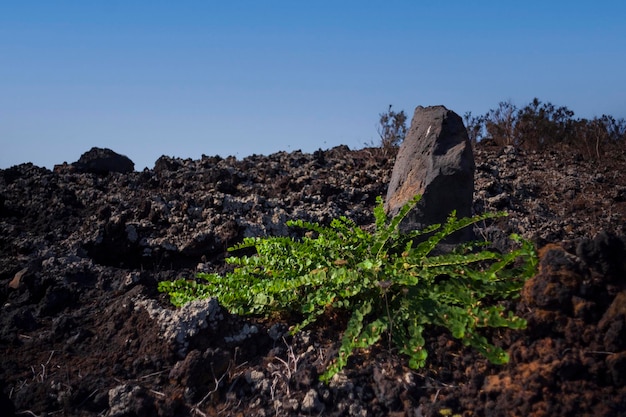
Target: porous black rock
102, 161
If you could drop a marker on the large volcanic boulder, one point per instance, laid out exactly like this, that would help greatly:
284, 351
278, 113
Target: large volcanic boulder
436, 161
103, 161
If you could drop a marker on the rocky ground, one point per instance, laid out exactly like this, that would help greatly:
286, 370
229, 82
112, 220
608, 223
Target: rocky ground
84, 332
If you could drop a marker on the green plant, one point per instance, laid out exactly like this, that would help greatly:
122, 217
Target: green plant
390, 283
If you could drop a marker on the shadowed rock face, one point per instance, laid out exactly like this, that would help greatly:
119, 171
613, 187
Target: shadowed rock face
102, 161
436, 161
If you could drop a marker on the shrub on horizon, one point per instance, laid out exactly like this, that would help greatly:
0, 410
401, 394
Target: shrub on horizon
543, 126
391, 128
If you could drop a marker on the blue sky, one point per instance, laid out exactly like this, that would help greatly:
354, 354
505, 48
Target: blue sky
186, 78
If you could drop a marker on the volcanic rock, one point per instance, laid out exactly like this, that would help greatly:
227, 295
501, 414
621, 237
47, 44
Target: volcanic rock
84, 331
102, 161
436, 161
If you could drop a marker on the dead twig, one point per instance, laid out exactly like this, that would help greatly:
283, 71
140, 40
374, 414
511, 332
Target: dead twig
217, 382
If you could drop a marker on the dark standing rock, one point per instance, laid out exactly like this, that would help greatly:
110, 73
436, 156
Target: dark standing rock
436, 161
103, 161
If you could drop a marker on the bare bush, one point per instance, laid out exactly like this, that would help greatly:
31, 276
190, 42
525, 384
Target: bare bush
391, 128
540, 126
475, 126
500, 123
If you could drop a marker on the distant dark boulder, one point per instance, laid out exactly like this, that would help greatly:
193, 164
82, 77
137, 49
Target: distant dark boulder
103, 161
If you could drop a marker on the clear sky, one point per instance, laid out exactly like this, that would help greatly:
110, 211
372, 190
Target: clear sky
192, 77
